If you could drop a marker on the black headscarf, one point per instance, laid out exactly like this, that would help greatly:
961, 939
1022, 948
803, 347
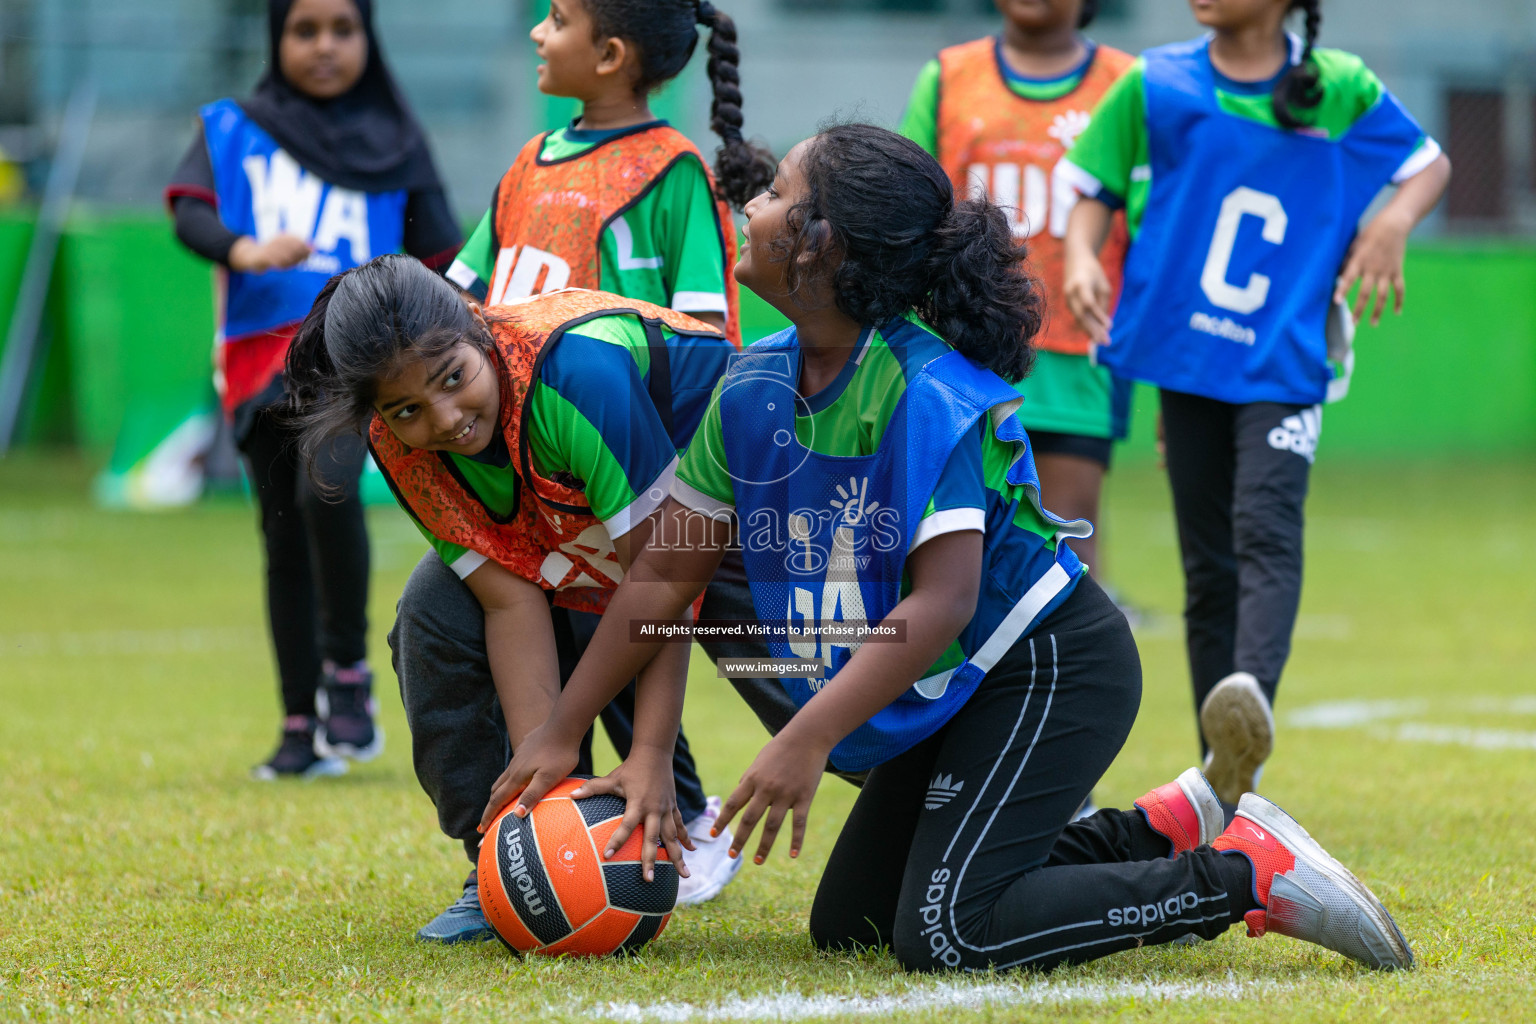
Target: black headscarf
365, 139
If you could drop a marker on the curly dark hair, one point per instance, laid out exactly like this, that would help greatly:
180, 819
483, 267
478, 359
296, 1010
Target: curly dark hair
665, 33
1301, 85
361, 323
880, 223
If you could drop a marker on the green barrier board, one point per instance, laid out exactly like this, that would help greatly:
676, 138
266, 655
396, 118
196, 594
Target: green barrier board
131, 319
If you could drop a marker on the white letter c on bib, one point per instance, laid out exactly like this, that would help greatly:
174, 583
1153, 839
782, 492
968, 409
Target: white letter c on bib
1213, 279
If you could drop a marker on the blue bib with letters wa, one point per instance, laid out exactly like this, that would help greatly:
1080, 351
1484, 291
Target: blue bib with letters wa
824, 538
263, 192
1229, 282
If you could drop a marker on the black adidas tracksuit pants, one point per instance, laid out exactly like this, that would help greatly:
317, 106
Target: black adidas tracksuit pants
1239, 476
958, 853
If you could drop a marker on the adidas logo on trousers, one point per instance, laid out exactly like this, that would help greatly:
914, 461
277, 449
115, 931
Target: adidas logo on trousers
943, 790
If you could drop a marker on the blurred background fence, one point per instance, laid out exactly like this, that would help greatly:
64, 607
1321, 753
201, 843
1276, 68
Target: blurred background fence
129, 320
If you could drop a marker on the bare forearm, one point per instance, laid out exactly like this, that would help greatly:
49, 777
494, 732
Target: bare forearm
1419, 194
520, 646
1087, 228
660, 582
878, 673
612, 659
524, 667
659, 694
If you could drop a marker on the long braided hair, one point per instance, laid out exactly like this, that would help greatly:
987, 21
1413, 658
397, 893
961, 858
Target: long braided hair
1300, 86
665, 33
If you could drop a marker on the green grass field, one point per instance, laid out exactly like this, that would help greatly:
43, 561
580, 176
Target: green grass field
143, 876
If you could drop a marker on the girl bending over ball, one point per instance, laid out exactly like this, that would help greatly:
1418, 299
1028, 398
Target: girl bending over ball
869, 466
622, 201
532, 444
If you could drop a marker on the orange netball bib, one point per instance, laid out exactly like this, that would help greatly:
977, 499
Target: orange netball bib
550, 215
991, 138
551, 536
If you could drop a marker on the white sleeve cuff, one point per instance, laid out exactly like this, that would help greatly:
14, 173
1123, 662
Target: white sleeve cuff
1067, 174
467, 563
1417, 161
690, 497
949, 520
698, 302
461, 275
648, 501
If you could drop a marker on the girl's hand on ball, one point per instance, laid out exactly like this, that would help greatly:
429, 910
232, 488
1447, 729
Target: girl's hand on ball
783, 778
538, 765
645, 781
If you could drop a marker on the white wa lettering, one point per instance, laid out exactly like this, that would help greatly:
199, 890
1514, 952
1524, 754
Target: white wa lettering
518, 271
344, 215
286, 199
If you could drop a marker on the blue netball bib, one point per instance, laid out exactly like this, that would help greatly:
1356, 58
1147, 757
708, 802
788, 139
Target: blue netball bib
1229, 282
824, 538
263, 192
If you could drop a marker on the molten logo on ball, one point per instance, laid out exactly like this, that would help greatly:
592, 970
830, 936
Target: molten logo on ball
517, 871
589, 907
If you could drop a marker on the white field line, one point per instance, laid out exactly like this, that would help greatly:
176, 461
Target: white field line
1354, 714
1450, 735
120, 642
947, 995
1403, 721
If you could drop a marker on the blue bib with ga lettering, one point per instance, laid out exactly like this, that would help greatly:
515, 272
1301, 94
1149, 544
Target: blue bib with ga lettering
824, 538
263, 192
1229, 282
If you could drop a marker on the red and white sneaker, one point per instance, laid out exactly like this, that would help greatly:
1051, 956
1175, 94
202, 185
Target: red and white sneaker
1185, 810
1308, 895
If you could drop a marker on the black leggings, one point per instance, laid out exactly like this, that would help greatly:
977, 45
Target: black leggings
958, 853
1239, 477
316, 554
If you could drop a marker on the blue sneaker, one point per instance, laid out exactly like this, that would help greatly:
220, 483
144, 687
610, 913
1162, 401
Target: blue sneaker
463, 921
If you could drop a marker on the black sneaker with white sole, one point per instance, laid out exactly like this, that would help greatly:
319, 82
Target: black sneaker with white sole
296, 757
347, 726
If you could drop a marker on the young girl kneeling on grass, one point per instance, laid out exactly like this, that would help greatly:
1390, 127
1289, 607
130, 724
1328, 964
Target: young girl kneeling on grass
531, 444
871, 457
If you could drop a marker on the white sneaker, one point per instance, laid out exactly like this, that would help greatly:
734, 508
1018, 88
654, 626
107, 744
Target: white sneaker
1240, 728
710, 867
